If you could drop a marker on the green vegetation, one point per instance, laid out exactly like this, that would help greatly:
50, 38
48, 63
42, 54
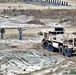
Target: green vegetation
73, 71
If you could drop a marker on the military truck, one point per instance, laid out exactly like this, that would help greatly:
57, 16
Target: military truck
58, 39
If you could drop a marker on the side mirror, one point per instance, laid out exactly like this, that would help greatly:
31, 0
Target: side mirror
40, 33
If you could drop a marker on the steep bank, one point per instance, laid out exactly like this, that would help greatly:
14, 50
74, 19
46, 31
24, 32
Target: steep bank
63, 15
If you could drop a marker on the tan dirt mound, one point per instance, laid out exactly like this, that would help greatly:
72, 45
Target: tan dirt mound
35, 22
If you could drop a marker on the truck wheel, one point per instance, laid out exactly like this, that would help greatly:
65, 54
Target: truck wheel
61, 50
68, 51
50, 47
45, 44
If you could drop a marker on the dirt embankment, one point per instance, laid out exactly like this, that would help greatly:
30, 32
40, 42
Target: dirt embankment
64, 15
36, 21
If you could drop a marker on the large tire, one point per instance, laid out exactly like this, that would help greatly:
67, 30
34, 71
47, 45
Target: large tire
61, 51
45, 44
50, 47
68, 51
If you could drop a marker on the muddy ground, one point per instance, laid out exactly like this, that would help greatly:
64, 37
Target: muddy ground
27, 56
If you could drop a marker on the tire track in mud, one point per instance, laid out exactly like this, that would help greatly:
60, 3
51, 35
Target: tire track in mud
45, 71
50, 70
59, 71
72, 65
7, 59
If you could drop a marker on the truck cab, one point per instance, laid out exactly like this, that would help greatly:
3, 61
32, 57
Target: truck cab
51, 35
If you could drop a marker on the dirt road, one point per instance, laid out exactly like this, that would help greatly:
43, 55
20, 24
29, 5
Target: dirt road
34, 31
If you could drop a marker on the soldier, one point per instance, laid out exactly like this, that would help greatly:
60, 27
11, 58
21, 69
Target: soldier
2, 32
20, 33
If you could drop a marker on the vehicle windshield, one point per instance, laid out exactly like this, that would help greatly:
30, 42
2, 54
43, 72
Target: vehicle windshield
70, 42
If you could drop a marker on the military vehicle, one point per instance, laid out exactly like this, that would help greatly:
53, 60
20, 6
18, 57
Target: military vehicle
58, 39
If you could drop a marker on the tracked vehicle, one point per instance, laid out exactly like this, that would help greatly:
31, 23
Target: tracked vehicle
58, 39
